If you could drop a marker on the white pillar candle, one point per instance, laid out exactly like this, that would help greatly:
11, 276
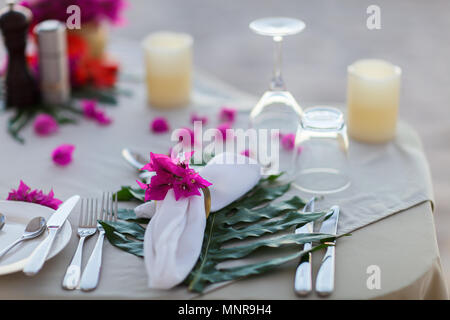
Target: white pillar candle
373, 88
168, 58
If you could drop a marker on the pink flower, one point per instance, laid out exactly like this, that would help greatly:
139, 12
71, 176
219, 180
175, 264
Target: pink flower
187, 136
195, 117
62, 155
223, 133
45, 124
159, 125
91, 111
227, 114
172, 174
246, 153
24, 193
288, 141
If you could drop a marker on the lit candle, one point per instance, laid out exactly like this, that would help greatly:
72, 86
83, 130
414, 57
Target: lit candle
373, 88
168, 58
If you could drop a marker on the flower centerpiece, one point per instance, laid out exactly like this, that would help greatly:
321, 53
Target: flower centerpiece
93, 72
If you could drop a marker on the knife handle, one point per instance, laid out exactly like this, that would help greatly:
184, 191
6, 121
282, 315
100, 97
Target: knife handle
37, 258
303, 275
91, 274
325, 276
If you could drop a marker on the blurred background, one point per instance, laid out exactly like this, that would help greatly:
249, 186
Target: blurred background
414, 35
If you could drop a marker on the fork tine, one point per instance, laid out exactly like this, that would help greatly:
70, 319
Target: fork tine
80, 217
110, 211
102, 211
116, 208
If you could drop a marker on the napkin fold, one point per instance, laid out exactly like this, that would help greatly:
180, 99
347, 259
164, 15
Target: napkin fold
174, 236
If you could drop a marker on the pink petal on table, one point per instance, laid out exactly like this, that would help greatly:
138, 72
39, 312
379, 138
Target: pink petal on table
227, 114
45, 124
62, 155
159, 125
223, 131
195, 117
91, 111
187, 136
246, 153
288, 141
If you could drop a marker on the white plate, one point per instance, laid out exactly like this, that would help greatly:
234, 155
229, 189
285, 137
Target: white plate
18, 214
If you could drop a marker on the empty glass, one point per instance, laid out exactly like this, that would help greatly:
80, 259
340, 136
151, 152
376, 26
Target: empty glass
277, 108
322, 164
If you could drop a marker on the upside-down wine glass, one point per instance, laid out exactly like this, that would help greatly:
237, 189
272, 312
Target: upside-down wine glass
277, 108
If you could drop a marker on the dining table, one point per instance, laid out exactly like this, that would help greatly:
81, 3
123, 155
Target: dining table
399, 244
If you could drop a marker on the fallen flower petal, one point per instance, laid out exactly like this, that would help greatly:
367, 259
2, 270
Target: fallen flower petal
159, 125
195, 117
288, 141
91, 111
45, 125
62, 155
223, 131
24, 193
227, 114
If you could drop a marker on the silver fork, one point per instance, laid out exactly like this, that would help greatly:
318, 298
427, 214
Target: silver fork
86, 228
91, 274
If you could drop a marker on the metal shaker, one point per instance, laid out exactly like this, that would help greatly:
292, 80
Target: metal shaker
53, 62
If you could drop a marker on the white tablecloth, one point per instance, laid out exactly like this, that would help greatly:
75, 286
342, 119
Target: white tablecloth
403, 245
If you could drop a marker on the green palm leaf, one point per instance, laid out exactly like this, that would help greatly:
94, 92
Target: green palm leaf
252, 223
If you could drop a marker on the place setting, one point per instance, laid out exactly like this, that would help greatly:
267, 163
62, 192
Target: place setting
156, 181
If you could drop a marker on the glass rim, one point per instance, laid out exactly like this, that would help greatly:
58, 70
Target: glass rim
332, 118
396, 70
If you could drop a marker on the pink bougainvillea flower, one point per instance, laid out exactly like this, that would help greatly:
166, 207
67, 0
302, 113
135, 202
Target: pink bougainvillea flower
187, 136
227, 114
195, 117
91, 111
288, 141
223, 131
45, 125
246, 153
62, 155
159, 125
24, 193
172, 174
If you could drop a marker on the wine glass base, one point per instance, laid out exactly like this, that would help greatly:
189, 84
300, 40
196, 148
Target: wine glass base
277, 26
321, 181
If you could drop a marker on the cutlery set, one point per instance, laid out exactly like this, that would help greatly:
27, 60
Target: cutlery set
88, 225
325, 275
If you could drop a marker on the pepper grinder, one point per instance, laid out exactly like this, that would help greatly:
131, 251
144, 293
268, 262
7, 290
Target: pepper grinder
22, 90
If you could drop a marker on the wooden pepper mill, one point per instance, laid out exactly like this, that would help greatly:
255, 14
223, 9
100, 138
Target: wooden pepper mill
22, 90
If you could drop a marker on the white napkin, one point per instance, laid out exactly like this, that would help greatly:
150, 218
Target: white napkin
174, 236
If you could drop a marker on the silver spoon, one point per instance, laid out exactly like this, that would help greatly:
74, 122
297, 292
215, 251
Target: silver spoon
2, 221
33, 229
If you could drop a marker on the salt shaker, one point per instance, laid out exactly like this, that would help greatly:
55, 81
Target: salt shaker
53, 62
22, 90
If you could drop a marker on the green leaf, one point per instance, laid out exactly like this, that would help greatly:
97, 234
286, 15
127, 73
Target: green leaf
254, 215
130, 215
127, 193
121, 241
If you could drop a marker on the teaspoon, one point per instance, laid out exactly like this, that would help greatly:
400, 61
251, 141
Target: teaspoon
33, 229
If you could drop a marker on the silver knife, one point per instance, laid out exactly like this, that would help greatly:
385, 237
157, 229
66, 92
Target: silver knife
303, 275
37, 258
325, 276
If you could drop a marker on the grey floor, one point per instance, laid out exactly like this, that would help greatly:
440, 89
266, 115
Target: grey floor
414, 34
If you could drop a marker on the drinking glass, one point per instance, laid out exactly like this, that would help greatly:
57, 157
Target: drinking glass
277, 108
321, 164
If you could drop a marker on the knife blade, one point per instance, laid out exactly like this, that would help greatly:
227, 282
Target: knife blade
37, 258
325, 275
303, 275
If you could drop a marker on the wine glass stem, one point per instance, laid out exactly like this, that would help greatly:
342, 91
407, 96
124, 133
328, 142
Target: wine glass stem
277, 83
